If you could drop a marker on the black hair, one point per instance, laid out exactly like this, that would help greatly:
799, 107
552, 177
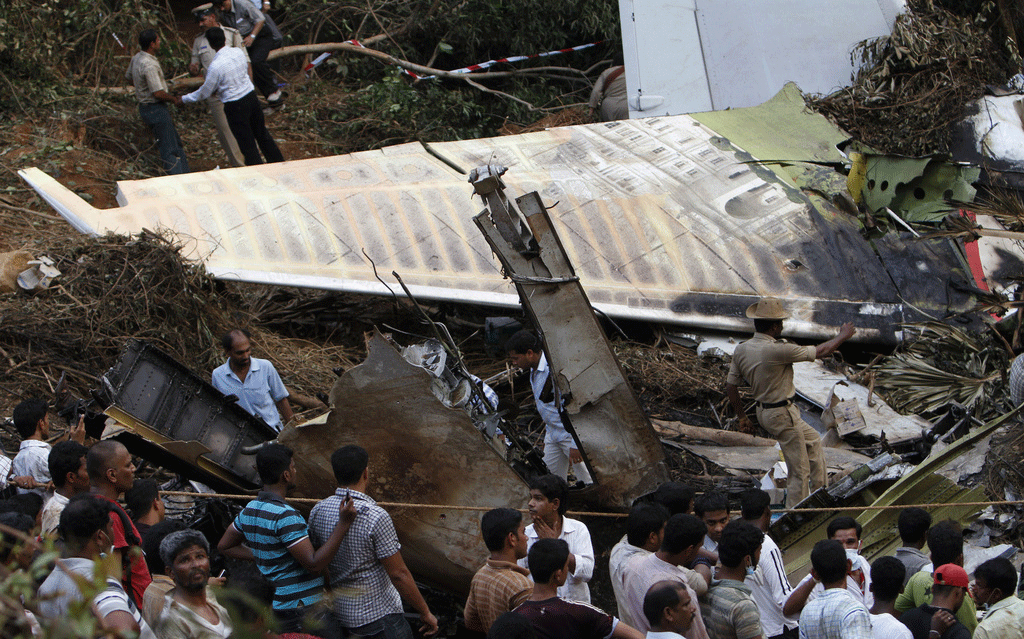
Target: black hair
348, 464
913, 524
227, 340
644, 519
18, 521
29, 503
27, 415
545, 557
998, 573
674, 495
83, 516
842, 523
512, 625
945, 543
765, 325
522, 341
739, 539
496, 525
146, 38
753, 503
65, 457
139, 498
681, 532
828, 557
215, 36
887, 575
664, 594
553, 487
151, 544
271, 462
710, 502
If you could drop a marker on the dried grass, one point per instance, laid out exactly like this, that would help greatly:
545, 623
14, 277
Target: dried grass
915, 83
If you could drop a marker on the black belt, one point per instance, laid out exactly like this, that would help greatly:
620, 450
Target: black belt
785, 402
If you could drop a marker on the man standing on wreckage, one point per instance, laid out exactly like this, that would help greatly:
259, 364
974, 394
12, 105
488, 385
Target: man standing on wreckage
766, 363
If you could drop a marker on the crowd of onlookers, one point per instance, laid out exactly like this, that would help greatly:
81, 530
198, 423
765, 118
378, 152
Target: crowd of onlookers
687, 565
693, 568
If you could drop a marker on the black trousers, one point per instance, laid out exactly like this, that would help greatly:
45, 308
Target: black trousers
245, 117
262, 75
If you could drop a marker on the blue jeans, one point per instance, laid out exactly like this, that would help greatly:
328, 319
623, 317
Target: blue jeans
394, 626
168, 143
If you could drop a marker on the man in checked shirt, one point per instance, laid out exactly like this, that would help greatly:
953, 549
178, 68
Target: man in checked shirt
369, 567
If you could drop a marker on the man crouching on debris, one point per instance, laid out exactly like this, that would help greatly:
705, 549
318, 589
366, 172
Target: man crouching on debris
253, 381
766, 363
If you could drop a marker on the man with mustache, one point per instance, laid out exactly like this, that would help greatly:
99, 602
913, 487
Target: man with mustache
190, 609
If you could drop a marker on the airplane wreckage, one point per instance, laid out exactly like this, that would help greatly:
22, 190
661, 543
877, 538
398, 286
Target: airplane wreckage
667, 220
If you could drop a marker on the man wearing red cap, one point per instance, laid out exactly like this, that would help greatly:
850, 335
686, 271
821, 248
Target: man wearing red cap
766, 363
938, 619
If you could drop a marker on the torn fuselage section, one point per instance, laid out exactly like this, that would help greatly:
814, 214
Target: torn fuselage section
425, 449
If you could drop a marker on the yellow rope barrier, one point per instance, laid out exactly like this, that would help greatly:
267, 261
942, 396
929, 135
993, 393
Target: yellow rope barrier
386, 504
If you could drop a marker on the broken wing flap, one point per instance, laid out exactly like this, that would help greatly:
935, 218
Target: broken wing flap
617, 442
183, 416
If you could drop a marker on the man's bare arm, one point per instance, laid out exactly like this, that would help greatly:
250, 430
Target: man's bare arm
825, 349
230, 545
402, 579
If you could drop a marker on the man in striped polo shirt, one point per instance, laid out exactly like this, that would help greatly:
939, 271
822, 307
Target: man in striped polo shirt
276, 537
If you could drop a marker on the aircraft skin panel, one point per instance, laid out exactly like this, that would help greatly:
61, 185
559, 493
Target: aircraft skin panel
661, 217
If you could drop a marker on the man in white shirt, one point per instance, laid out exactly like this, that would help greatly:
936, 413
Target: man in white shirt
70, 478
525, 351
769, 584
228, 76
31, 467
549, 500
202, 56
886, 583
87, 531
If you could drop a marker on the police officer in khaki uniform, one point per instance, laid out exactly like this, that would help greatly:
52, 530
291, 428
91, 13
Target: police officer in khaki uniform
202, 56
766, 363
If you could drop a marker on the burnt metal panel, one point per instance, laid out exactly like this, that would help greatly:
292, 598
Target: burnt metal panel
163, 396
421, 452
615, 437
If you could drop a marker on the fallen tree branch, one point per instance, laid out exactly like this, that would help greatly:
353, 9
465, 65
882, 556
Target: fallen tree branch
723, 437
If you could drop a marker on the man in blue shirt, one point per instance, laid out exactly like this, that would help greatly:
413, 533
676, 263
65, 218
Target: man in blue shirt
277, 539
253, 381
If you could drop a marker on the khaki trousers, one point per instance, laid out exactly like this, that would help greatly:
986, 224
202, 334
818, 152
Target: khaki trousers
227, 139
801, 448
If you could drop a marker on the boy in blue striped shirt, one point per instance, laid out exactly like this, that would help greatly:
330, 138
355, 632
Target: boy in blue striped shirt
275, 536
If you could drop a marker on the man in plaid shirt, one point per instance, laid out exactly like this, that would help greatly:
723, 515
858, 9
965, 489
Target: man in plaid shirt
501, 584
369, 567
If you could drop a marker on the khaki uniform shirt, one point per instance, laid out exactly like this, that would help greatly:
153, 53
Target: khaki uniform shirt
202, 52
145, 73
767, 365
